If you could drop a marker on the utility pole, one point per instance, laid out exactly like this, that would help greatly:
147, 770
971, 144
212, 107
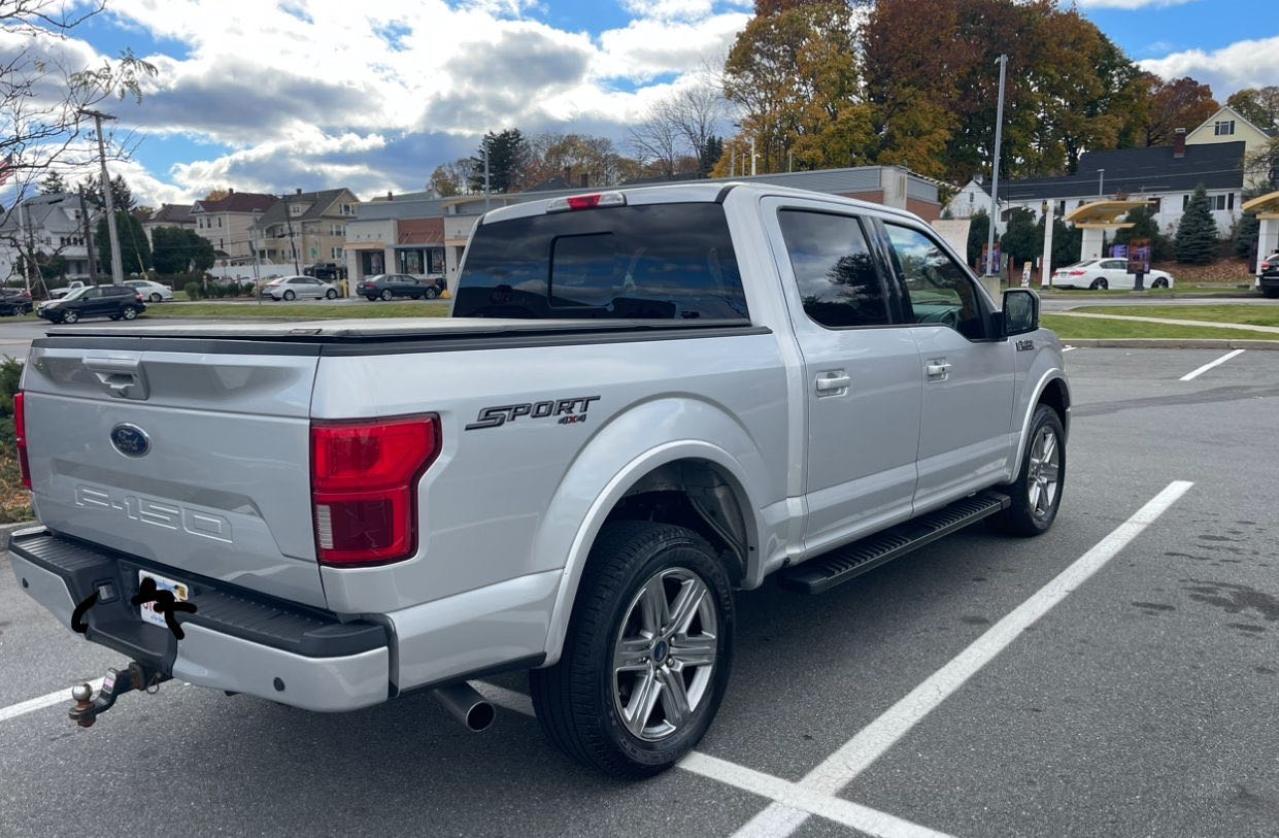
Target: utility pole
1046, 277
117, 264
752, 155
732, 166
24, 228
994, 180
88, 239
293, 248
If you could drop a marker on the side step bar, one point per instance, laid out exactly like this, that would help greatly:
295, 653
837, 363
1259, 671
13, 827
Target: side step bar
819, 575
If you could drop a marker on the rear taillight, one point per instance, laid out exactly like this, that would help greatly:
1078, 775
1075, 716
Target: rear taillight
364, 477
1074, 273
20, 431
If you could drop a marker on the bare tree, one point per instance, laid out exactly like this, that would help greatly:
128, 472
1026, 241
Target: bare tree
696, 113
657, 140
44, 88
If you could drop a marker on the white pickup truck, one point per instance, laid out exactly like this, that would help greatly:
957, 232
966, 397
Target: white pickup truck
643, 401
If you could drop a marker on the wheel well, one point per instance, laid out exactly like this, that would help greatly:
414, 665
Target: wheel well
1056, 396
697, 495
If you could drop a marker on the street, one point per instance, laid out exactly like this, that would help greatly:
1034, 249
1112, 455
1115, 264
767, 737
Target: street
1137, 699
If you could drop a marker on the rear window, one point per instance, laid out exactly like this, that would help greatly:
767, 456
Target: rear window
661, 261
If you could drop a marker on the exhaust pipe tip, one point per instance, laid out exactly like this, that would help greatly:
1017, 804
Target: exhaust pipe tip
467, 706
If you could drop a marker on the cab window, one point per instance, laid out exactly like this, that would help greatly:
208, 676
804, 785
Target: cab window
939, 291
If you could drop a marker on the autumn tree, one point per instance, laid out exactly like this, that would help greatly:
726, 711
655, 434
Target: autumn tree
573, 157
451, 179
1258, 105
1181, 103
794, 76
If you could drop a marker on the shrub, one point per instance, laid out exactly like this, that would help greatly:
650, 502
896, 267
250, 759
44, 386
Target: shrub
194, 292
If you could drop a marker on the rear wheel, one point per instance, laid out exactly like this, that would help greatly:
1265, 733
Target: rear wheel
155, 297
431, 293
648, 652
129, 313
1036, 494
387, 295
1100, 284
1159, 283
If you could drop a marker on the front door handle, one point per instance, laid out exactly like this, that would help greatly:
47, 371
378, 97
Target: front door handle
832, 383
938, 370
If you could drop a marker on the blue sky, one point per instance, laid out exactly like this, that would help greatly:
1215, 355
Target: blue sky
270, 95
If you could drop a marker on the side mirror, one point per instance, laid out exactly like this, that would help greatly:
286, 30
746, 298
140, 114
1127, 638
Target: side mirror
1021, 311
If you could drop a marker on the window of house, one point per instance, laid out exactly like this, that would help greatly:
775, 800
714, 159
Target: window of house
1185, 202
1156, 204
219, 221
1224, 127
838, 284
1061, 208
1217, 202
940, 291
335, 253
1230, 201
435, 260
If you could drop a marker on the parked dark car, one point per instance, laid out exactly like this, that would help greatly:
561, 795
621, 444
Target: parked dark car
325, 270
119, 302
14, 301
1268, 280
390, 286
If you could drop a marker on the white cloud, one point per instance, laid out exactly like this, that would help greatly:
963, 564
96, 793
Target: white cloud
1242, 64
373, 95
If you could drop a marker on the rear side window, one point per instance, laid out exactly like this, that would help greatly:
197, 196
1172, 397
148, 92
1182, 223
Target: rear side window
660, 261
838, 283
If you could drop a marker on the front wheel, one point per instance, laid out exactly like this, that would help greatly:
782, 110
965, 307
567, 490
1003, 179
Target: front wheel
331, 294
648, 652
1036, 494
1100, 284
70, 317
290, 296
431, 293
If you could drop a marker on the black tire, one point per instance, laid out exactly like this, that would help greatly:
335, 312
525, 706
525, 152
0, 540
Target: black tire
129, 313
387, 295
431, 293
1022, 518
69, 317
1100, 284
289, 296
331, 294
156, 298
574, 699
1159, 283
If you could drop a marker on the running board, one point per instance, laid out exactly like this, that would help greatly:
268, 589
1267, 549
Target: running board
819, 575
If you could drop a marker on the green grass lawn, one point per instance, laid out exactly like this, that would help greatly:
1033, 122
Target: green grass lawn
1247, 315
1069, 328
299, 311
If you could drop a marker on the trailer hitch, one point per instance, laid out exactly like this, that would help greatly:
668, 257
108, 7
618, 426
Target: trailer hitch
89, 705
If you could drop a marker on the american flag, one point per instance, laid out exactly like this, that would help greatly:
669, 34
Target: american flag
6, 169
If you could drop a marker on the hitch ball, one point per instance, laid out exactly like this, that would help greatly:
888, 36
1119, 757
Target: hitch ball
82, 694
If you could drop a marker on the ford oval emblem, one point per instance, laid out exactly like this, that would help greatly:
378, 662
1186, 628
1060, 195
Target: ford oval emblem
130, 440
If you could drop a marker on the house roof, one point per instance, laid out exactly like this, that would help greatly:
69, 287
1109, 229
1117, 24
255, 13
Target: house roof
172, 214
45, 213
320, 204
1134, 171
237, 202
1272, 131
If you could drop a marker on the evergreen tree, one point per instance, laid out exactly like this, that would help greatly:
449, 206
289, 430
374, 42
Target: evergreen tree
52, 184
978, 230
507, 153
135, 251
1196, 242
1018, 241
178, 250
710, 154
121, 194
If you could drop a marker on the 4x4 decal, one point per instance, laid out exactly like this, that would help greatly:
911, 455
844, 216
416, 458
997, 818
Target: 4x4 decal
564, 411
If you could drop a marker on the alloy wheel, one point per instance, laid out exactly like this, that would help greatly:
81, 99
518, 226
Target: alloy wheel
664, 655
1044, 475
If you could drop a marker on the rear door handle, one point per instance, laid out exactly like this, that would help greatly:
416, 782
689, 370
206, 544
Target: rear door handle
938, 370
832, 383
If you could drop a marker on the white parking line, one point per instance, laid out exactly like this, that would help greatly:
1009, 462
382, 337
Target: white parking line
856, 755
62, 696
1190, 376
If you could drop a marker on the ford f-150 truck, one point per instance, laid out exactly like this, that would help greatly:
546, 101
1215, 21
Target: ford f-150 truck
644, 400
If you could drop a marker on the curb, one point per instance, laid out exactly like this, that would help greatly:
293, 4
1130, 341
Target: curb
1171, 343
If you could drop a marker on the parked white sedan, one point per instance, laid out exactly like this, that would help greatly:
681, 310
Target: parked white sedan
152, 292
299, 288
1103, 274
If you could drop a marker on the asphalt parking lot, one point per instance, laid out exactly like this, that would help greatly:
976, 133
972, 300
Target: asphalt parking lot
1118, 676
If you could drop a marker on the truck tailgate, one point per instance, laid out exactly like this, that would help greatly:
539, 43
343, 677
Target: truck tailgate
198, 461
